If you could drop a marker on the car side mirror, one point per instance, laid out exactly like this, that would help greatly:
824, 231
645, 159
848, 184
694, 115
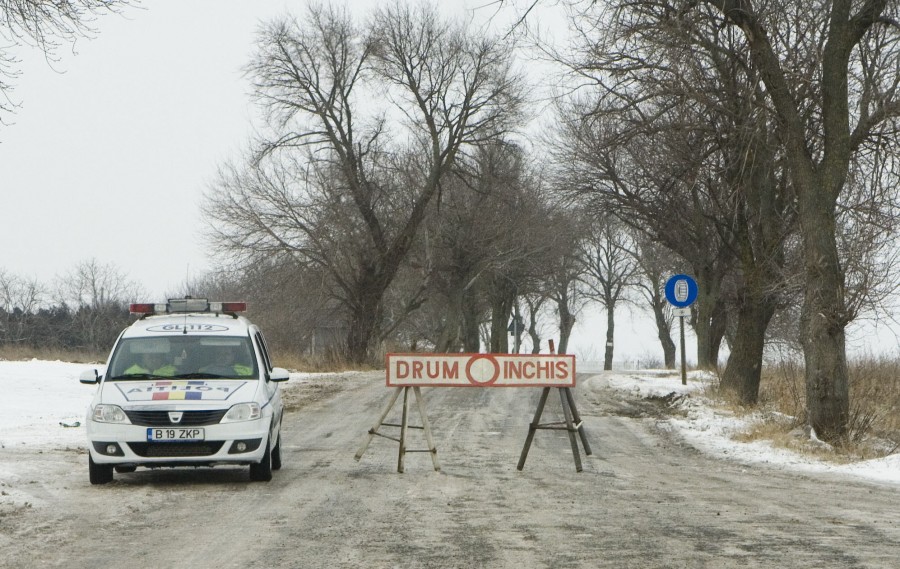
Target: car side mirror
89, 377
279, 374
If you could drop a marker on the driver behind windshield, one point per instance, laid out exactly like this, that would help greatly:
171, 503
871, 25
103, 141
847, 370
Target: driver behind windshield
224, 364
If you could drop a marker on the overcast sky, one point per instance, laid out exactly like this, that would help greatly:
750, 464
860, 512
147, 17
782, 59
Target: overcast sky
113, 146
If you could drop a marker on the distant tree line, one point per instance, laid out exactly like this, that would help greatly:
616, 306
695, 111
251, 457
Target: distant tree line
83, 310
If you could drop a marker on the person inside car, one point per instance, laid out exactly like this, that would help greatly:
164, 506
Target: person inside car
224, 365
154, 364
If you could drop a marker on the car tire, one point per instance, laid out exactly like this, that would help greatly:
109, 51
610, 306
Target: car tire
99, 473
262, 472
276, 454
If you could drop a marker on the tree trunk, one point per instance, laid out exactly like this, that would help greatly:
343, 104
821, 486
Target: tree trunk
501, 307
365, 318
610, 333
717, 327
742, 372
363, 323
449, 338
823, 318
534, 306
535, 340
702, 329
664, 333
709, 305
566, 323
472, 314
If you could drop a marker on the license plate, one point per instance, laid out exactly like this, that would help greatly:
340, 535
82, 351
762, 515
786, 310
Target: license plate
179, 434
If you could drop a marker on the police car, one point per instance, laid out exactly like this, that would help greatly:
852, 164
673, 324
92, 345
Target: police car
190, 383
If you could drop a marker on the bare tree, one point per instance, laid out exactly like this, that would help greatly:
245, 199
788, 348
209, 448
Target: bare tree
608, 257
98, 295
848, 82
608, 156
440, 89
655, 265
796, 72
686, 70
563, 272
20, 299
478, 236
534, 304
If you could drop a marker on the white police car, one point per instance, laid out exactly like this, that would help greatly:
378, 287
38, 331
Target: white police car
188, 384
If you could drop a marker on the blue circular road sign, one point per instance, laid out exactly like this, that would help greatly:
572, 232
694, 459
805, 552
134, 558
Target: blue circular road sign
681, 291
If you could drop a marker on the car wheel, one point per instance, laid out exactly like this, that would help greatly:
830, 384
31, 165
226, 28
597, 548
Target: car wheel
126, 469
276, 455
262, 472
99, 473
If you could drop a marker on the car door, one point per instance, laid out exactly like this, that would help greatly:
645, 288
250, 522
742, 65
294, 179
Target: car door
273, 394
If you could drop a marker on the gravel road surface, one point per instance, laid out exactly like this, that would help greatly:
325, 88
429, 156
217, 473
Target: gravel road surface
644, 500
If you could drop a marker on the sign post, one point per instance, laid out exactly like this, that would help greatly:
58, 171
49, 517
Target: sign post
681, 292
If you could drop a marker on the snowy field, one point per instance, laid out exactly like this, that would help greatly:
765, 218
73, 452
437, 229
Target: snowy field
44, 405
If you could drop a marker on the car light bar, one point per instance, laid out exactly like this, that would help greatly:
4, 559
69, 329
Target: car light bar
146, 308
184, 305
187, 304
228, 306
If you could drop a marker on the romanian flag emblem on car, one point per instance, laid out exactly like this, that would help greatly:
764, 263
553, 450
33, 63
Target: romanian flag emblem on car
179, 390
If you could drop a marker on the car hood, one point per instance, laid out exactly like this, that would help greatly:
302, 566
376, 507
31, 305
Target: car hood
192, 391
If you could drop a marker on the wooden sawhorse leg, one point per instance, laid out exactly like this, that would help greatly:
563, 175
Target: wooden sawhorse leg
404, 426
572, 424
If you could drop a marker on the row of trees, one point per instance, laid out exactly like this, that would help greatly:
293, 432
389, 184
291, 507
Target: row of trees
750, 143
757, 141
391, 179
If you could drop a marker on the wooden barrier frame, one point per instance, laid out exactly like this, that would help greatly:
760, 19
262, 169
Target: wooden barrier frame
573, 423
404, 426
570, 412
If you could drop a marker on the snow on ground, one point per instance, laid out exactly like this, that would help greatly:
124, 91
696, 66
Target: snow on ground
44, 405
710, 430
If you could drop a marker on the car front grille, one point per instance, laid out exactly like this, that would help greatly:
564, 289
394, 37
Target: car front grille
173, 450
188, 419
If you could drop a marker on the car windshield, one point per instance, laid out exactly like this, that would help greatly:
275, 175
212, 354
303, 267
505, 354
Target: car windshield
184, 357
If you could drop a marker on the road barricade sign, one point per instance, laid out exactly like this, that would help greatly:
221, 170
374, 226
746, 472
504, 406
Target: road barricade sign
480, 370
405, 372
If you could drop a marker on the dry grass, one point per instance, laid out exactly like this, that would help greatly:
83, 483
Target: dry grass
20, 353
285, 360
874, 429
315, 364
781, 433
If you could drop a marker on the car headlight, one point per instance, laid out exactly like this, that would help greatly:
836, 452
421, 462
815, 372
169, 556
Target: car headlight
109, 414
242, 412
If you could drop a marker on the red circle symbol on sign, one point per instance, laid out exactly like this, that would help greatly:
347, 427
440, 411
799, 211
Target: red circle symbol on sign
482, 370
